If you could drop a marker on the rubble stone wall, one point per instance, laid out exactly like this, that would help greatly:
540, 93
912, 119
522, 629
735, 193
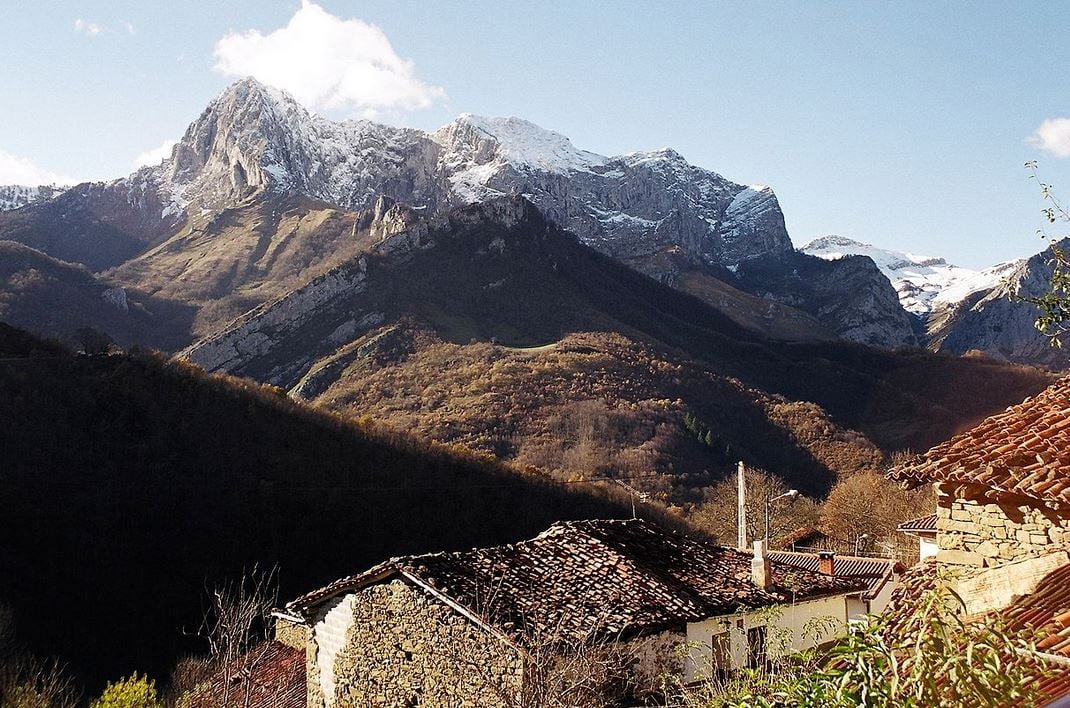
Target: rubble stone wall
393, 644
973, 533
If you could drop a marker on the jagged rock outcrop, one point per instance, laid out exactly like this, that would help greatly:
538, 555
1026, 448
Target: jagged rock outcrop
279, 342
850, 295
998, 322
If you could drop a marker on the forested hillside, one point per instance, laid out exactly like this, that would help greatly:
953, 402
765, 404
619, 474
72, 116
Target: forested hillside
129, 482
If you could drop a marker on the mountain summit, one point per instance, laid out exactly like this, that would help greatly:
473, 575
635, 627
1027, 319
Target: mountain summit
253, 139
924, 284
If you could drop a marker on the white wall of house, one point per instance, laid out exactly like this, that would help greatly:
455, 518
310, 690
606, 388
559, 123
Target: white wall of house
928, 546
723, 643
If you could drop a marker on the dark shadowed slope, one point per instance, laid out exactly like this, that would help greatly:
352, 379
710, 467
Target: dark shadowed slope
130, 481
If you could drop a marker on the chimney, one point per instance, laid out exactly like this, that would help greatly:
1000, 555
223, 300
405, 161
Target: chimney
760, 572
826, 562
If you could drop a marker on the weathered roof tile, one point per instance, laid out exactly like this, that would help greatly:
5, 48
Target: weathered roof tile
1023, 451
595, 577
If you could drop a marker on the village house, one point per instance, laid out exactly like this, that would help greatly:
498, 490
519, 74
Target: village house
1002, 524
878, 576
922, 528
467, 628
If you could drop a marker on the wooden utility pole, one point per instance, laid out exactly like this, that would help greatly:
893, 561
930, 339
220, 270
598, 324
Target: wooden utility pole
741, 509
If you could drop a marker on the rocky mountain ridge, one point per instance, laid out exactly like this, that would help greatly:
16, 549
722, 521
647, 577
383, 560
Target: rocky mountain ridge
924, 284
653, 211
16, 196
960, 310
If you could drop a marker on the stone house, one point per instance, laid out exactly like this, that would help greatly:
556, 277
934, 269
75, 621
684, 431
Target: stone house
1003, 487
1002, 524
469, 628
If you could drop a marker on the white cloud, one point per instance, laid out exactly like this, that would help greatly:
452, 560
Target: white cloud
327, 63
128, 26
89, 29
153, 157
22, 170
1053, 137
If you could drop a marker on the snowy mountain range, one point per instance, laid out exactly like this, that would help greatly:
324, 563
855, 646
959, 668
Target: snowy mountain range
634, 206
255, 154
924, 284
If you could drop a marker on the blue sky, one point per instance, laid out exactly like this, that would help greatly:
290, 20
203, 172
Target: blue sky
904, 125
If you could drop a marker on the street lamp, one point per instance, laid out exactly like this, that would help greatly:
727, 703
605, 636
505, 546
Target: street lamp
790, 494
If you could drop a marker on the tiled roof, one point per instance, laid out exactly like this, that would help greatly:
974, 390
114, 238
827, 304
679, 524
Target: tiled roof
1043, 614
873, 572
594, 577
924, 524
271, 675
913, 584
1022, 452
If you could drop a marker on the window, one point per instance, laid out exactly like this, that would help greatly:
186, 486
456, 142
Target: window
755, 646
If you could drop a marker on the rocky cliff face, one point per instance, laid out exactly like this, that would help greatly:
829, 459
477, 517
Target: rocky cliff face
850, 295
998, 323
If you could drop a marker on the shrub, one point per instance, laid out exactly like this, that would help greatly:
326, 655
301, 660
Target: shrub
133, 691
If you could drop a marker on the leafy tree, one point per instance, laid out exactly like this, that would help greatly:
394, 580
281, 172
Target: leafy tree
1054, 305
133, 691
717, 511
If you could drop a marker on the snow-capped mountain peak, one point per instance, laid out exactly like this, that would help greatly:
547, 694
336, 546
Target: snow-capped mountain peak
924, 283
518, 142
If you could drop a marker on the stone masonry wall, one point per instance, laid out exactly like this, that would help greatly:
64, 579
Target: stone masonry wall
291, 634
393, 645
978, 534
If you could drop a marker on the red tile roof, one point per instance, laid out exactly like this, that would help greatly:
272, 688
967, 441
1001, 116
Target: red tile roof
1022, 452
585, 577
270, 676
873, 572
1043, 615
923, 524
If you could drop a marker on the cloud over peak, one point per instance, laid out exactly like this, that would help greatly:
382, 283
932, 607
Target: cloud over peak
1053, 137
328, 63
153, 157
22, 170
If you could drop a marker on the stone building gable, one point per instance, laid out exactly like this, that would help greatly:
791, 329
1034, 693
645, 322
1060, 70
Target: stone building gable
393, 644
974, 533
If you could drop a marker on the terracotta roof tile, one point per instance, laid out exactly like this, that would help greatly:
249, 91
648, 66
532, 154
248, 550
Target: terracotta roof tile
272, 676
872, 572
580, 577
922, 523
1023, 451
1043, 614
